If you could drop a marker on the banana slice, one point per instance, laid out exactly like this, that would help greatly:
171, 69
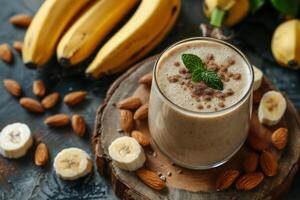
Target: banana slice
15, 140
258, 77
271, 108
72, 163
127, 153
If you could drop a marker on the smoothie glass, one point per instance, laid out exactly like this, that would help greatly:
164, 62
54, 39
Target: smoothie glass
199, 140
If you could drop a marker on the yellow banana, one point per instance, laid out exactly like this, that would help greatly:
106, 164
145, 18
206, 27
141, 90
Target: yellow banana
233, 11
286, 44
146, 28
46, 28
90, 29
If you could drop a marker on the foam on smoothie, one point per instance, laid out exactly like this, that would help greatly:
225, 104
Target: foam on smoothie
170, 64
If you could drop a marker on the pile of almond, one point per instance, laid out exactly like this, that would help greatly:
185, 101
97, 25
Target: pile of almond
46, 101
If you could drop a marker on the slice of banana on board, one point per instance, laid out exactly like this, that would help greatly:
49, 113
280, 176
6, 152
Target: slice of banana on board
271, 108
72, 163
127, 153
258, 77
15, 140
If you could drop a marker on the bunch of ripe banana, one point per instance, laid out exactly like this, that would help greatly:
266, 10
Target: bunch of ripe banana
226, 12
75, 28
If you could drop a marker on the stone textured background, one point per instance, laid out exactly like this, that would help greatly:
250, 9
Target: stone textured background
21, 179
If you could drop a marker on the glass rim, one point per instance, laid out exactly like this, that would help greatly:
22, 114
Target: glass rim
199, 113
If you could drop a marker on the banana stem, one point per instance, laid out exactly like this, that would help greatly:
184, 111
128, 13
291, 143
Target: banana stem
217, 17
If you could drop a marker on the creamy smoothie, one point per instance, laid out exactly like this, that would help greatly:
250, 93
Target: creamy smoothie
195, 125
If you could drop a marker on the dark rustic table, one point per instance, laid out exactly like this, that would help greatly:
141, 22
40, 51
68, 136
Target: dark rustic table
21, 179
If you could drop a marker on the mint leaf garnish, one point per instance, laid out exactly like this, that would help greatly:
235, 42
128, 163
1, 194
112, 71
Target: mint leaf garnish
192, 62
200, 73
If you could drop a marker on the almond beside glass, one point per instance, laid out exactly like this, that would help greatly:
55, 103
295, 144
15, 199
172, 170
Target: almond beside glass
78, 125
226, 179
39, 88
41, 154
5, 53
141, 138
249, 181
250, 161
58, 120
146, 79
50, 100
126, 120
268, 163
279, 138
13, 87
31, 105
74, 98
142, 112
130, 103
21, 20
151, 179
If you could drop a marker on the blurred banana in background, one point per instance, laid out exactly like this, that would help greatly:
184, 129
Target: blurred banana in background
79, 42
286, 44
226, 12
46, 28
145, 29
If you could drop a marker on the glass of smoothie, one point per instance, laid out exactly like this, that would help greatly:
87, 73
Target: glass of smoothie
196, 122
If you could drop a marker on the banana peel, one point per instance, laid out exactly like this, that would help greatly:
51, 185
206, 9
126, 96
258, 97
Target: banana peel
230, 12
286, 44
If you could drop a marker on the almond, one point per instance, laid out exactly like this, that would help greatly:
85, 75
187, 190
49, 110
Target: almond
126, 120
18, 46
58, 120
142, 112
249, 181
31, 105
146, 79
151, 179
13, 87
258, 141
21, 20
39, 88
141, 138
250, 162
74, 98
268, 163
279, 138
130, 103
226, 179
78, 125
50, 100
5, 53
41, 155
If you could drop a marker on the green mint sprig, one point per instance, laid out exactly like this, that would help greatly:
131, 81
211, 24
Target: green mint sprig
200, 73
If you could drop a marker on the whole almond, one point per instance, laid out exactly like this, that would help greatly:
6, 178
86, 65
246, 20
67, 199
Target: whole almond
226, 179
5, 53
78, 125
279, 138
142, 112
31, 105
50, 100
21, 20
58, 120
130, 103
41, 154
39, 88
146, 79
250, 162
18, 46
151, 179
13, 87
141, 138
258, 141
74, 98
126, 120
268, 163
249, 181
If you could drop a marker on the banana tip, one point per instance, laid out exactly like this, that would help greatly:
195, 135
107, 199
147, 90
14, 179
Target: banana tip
30, 65
64, 62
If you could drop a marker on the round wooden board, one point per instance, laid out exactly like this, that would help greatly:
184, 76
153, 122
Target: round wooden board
189, 184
